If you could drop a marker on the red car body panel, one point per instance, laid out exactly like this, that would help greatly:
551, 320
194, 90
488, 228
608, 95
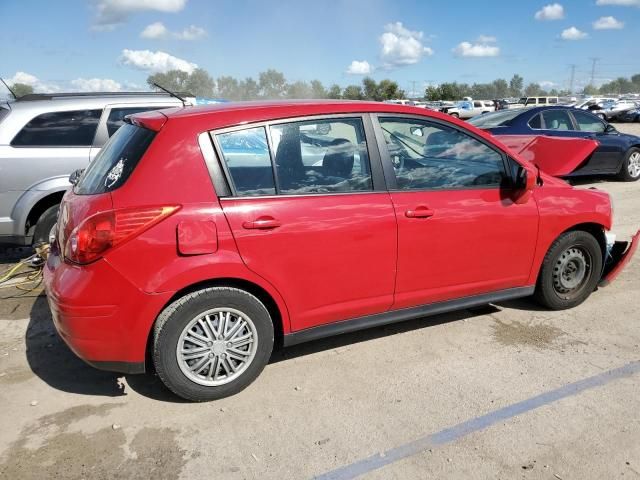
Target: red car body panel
333, 257
557, 156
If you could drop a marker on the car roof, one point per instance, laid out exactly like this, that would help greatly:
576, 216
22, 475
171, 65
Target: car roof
66, 101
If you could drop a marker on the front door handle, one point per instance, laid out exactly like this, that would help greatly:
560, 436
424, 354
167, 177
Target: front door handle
419, 212
262, 223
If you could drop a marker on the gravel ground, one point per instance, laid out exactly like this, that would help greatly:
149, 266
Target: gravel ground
325, 405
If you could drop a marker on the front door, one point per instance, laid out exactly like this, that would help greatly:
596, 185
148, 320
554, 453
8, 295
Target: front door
306, 217
459, 232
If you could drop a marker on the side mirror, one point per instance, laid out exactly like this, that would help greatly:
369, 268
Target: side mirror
523, 182
75, 176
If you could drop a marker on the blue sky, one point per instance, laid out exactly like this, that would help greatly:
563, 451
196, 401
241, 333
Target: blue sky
100, 44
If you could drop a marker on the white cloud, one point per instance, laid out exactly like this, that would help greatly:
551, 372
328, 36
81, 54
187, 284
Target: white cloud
624, 3
572, 33
113, 13
608, 23
467, 49
553, 11
157, 31
155, 62
487, 39
401, 46
359, 68
38, 85
96, 85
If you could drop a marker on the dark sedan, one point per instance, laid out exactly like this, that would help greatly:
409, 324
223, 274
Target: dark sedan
617, 153
630, 116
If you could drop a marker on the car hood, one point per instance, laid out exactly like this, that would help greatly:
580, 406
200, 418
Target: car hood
557, 156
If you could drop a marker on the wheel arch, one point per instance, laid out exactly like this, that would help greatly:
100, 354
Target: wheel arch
39, 208
253, 288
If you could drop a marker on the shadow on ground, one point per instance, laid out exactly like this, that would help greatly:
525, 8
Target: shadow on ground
52, 361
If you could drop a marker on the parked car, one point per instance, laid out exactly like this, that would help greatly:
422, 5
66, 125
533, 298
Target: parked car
630, 116
43, 138
469, 108
534, 102
201, 237
617, 153
611, 110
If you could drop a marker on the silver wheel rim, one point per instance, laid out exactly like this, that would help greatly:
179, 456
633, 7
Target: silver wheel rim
217, 346
633, 166
571, 272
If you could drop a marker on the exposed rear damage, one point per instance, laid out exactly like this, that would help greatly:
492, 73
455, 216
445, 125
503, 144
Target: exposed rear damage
555, 156
618, 256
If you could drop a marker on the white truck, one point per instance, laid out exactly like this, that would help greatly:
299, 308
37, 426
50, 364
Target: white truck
469, 108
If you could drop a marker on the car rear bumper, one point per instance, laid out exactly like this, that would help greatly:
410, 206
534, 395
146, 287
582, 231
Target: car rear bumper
618, 258
101, 316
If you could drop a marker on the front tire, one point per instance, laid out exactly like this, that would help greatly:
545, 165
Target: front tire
630, 171
212, 343
570, 271
45, 224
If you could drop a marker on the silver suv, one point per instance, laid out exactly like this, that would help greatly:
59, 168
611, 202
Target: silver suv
43, 139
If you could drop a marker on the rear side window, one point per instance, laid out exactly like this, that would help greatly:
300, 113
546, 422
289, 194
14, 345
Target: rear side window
115, 162
59, 129
557, 120
535, 122
116, 117
246, 155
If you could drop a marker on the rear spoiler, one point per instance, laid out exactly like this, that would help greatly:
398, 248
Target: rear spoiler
152, 120
556, 156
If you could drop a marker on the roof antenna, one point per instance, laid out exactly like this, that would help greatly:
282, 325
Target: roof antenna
170, 93
9, 88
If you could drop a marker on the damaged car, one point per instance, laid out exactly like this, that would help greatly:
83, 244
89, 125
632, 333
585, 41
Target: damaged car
615, 153
199, 239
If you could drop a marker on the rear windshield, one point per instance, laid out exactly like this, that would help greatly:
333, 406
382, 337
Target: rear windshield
115, 162
497, 119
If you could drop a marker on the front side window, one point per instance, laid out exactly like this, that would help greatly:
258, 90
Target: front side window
321, 156
427, 155
59, 129
535, 122
248, 160
557, 120
588, 123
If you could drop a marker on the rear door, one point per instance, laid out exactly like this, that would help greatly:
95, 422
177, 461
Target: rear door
310, 214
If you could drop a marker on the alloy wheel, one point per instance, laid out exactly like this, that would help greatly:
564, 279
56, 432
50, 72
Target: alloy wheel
633, 165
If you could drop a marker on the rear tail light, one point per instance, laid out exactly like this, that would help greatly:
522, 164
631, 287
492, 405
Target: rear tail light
102, 231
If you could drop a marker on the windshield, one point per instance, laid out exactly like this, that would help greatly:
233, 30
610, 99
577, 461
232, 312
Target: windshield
115, 162
497, 119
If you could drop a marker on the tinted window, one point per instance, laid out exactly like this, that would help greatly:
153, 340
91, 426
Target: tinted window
557, 120
321, 156
542, 100
116, 117
587, 122
490, 120
115, 162
535, 122
246, 154
553, 100
531, 101
432, 156
477, 104
59, 129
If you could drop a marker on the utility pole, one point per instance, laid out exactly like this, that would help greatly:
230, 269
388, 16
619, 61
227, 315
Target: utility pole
413, 88
573, 76
593, 70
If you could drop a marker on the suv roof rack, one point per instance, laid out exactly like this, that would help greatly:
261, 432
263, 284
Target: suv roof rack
51, 96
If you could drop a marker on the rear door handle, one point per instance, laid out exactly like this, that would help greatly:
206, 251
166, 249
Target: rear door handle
419, 212
262, 223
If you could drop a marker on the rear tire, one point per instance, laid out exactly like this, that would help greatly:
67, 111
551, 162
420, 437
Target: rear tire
570, 271
45, 225
630, 171
231, 334
456, 115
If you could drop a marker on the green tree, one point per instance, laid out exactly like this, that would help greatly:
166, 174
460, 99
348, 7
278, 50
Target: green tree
299, 90
21, 89
370, 89
515, 86
200, 83
174, 80
272, 84
533, 90
318, 90
501, 88
248, 89
228, 88
335, 91
353, 92
388, 90
590, 90
432, 93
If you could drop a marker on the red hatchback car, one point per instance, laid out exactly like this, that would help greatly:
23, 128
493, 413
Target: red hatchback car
200, 236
